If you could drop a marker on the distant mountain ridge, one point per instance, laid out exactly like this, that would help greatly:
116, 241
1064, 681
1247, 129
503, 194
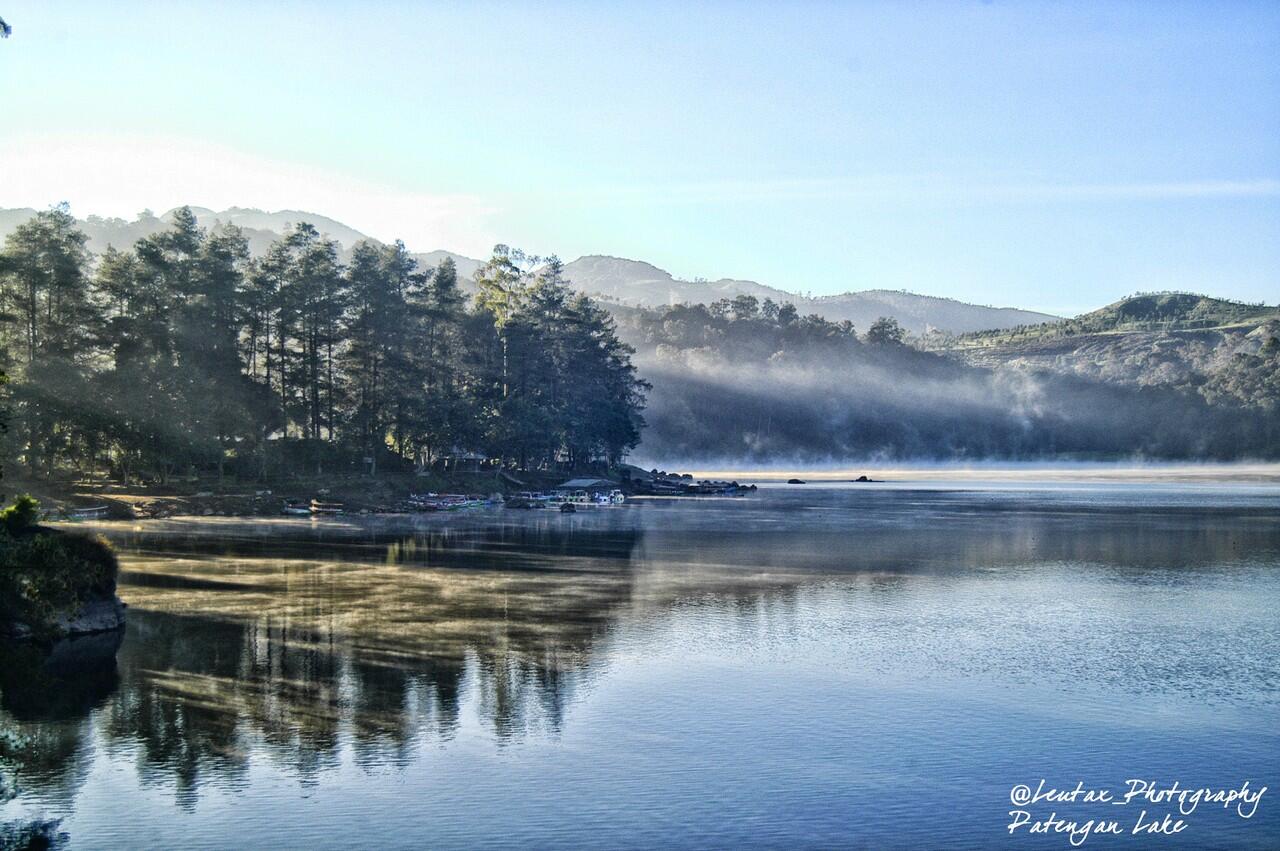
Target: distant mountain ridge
628, 282
636, 283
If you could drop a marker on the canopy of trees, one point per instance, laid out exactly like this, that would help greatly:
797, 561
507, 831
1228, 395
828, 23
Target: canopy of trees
741, 380
185, 352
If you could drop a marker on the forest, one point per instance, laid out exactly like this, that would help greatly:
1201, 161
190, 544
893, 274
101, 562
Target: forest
748, 380
185, 353
189, 353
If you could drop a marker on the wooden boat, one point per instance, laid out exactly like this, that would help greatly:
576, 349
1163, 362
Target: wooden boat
92, 512
318, 507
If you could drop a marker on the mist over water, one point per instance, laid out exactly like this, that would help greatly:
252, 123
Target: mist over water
813, 666
733, 387
993, 473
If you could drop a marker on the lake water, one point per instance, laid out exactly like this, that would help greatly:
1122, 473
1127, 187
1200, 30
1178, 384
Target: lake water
856, 666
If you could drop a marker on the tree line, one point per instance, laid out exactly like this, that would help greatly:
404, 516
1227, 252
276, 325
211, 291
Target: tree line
741, 379
185, 352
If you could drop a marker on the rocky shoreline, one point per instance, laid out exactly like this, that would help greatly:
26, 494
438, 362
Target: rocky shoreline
94, 617
56, 584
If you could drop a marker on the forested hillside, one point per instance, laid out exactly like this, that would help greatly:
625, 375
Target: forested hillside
743, 379
187, 351
1224, 351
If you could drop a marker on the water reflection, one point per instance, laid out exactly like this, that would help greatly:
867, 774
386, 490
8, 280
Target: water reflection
46, 695
306, 644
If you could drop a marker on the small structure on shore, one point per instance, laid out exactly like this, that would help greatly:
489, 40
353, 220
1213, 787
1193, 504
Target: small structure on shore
462, 461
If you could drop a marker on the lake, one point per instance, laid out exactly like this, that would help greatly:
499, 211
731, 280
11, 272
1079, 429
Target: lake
811, 666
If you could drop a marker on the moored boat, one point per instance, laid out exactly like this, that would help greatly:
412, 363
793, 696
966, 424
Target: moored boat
92, 512
318, 507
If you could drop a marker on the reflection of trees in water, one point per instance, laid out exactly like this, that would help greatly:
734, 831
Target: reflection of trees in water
307, 648
46, 695
231, 656
200, 694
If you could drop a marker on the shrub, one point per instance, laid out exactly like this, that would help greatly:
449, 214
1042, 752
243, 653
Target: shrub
46, 574
22, 515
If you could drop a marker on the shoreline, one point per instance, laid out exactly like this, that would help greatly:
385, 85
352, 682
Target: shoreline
1084, 472
370, 497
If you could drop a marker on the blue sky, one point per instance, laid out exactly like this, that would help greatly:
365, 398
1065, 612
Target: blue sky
1045, 155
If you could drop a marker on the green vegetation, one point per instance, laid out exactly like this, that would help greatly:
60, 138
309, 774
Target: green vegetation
1224, 352
740, 380
1141, 312
22, 515
46, 574
184, 353
1249, 380
187, 355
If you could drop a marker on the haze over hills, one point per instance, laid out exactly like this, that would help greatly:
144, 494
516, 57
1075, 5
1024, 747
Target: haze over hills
627, 282
1167, 375
1207, 346
636, 283
1170, 376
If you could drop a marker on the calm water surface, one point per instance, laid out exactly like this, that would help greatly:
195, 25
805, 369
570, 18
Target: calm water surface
808, 667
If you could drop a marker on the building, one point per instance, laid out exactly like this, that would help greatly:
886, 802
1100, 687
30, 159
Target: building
589, 485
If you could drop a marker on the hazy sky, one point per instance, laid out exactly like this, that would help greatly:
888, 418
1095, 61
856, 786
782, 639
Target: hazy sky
1053, 156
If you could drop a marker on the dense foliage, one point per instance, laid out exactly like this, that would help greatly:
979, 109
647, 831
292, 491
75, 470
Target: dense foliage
741, 379
1141, 312
1225, 352
185, 352
21, 515
46, 573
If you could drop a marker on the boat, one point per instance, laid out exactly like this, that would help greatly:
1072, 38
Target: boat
527, 500
447, 501
296, 506
318, 507
568, 508
92, 512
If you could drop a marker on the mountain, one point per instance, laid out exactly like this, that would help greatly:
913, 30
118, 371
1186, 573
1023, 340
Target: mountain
626, 282
467, 266
261, 228
634, 283
277, 222
1212, 347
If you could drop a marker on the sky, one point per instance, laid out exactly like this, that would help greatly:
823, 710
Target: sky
1053, 156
